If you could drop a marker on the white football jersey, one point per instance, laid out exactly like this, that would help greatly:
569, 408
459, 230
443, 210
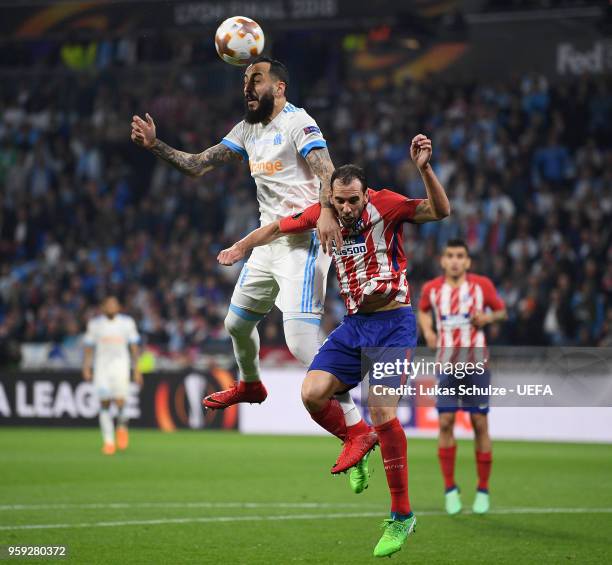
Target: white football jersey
111, 339
276, 154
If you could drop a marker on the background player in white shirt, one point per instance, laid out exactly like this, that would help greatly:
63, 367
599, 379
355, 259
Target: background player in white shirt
291, 166
111, 339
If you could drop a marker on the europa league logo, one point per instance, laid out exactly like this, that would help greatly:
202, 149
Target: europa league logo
178, 401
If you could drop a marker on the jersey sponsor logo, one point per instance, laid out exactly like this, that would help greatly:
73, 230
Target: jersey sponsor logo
109, 339
312, 129
353, 240
455, 320
266, 167
352, 246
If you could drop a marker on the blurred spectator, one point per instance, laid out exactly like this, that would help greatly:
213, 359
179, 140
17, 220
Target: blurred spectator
84, 212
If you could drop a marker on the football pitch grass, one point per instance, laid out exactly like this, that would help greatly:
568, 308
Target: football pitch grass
222, 497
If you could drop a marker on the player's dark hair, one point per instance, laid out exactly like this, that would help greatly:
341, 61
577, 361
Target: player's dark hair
458, 242
276, 68
346, 173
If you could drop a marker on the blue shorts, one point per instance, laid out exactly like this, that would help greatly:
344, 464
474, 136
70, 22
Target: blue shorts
341, 353
472, 403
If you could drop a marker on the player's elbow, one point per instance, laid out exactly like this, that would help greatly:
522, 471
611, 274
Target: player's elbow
444, 211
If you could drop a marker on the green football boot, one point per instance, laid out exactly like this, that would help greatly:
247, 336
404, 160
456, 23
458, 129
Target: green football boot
452, 501
359, 475
481, 502
396, 532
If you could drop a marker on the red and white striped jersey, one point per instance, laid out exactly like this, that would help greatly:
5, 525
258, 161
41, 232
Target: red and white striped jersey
372, 259
453, 308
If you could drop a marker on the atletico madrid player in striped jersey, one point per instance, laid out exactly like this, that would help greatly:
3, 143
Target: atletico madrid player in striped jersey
458, 300
371, 271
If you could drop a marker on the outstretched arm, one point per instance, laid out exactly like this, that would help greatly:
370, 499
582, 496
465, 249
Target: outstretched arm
192, 164
298, 223
436, 206
328, 228
260, 236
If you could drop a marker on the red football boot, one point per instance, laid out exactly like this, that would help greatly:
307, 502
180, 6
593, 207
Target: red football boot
254, 392
353, 451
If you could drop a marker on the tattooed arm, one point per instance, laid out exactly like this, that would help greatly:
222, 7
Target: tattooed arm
321, 165
328, 227
192, 164
195, 164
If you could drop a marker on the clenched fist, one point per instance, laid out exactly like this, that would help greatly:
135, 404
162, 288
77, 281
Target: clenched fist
231, 255
420, 150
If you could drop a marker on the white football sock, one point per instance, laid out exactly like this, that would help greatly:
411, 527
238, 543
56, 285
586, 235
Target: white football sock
304, 338
351, 412
106, 426
241, 324
122, 417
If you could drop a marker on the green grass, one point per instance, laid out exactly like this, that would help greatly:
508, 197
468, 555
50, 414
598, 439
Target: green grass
168, 476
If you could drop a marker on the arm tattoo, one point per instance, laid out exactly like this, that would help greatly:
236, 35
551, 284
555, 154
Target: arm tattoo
321, 165
194, 164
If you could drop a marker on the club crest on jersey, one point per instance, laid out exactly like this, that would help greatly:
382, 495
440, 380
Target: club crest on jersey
312, 129
359, 225
278, 139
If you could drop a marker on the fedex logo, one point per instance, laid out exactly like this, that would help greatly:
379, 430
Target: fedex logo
267, 167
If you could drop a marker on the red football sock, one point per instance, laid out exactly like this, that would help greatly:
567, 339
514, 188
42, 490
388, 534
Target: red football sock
331, 418
447, 455
484, 459
359, 428
393, 447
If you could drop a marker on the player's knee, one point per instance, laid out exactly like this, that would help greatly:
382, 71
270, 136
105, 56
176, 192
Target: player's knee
479, 424
105, 404
447, 424
381, 414
313, 395
302, 349
237, 326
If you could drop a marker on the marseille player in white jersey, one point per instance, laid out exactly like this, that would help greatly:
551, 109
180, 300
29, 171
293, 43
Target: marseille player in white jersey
111, 339
291, 166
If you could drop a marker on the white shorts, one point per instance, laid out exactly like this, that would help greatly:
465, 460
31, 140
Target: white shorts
290, 272
111, 384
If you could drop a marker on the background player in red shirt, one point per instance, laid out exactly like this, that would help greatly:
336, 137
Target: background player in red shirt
371, 270
459, 301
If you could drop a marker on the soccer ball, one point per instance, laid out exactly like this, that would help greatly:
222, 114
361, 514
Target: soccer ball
239, 40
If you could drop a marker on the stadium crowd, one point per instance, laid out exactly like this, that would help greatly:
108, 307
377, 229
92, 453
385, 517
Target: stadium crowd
527, 165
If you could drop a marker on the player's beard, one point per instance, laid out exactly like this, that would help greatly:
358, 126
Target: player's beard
264, 109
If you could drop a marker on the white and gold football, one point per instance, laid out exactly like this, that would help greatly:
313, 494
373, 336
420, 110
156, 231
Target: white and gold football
239, 40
